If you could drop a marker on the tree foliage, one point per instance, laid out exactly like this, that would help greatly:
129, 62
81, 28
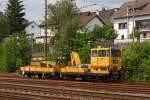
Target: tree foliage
82, 44
3, 27
135, 34
17, 52
105, 32
63, 19
14, 50
2, 66
15, 16
136, 61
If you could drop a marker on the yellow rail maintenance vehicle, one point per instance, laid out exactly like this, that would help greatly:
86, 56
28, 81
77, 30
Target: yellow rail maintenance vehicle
106, 64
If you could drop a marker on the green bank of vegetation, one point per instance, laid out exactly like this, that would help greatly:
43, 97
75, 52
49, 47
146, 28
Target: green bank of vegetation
14, 45
136, 60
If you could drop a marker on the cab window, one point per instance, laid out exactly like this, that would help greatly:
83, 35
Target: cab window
108, 53
94, 53
102, 53
115, 53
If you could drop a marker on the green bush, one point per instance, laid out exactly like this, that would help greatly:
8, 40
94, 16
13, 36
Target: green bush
16, 52
136, 60
2, 67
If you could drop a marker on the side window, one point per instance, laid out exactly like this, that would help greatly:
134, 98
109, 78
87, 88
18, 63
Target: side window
94, 53
102, 53
122, 25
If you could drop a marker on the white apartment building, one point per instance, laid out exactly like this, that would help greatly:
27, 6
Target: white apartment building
37, 33
131, 16
41, 38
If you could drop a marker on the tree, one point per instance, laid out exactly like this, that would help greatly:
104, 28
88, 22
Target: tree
15, 16
63, 17
136, 61
3, 27
105, 32
17, 52
63, 20
2, 67
136, 34
82, 44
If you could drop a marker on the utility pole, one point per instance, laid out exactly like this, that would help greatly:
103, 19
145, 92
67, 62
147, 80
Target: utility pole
45, 47
128, 18
133, 17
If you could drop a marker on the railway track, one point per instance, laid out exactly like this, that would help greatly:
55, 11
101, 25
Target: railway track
37, 89
45, 93
10, 94
130, 88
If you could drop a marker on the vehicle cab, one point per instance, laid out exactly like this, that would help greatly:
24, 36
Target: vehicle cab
104, 60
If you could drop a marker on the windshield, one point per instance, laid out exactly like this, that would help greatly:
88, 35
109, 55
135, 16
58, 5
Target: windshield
115, 53
94, 53
102, 53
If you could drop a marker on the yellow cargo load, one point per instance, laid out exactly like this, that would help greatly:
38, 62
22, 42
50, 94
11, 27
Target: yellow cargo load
44, 63
39, 69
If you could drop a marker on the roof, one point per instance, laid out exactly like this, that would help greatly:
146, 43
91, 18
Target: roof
86, 18
141, 7
104, 16
29, 23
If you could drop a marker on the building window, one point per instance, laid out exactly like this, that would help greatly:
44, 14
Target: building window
122, 37
122, 25
144, 35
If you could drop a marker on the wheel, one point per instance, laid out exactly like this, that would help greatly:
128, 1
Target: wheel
39, 75
121, 75
29, 75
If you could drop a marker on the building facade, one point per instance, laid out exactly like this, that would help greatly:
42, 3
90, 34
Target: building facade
132, 16
33, 30
41, 38
89, 19
37, 33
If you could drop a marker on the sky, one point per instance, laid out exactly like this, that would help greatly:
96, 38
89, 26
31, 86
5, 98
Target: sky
34, 9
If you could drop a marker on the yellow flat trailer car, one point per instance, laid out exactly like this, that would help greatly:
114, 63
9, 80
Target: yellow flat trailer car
44, 68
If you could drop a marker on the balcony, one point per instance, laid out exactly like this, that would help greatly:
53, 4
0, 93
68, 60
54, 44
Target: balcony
127, 41
143, 25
